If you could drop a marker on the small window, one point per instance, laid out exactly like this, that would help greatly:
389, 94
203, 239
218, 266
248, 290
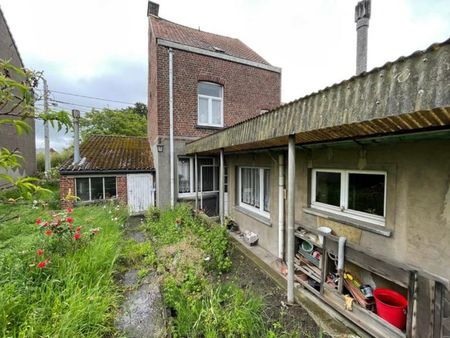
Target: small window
254, 189
357, 194
95, 188
210, 104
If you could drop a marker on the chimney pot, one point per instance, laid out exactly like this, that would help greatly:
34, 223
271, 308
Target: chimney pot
76, 136
153, 8
362, 16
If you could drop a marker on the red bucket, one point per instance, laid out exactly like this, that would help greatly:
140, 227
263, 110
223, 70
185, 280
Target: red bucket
391, 306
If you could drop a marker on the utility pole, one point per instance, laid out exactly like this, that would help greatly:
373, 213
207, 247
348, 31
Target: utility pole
46, 132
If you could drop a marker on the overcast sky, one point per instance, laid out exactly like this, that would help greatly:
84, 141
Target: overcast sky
99, 47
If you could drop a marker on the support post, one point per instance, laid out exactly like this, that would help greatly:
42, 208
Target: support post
290, 219
196, 180
47, 160
222, 188
280, 206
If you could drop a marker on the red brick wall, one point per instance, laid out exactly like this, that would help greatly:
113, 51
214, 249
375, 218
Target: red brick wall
122, 189
66, 186
152, 126
247, 90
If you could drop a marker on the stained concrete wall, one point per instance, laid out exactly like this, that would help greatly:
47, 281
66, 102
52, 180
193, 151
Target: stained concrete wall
418, 199
8, 135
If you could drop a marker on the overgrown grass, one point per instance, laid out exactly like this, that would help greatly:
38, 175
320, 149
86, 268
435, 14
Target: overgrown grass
190, 252
75, 295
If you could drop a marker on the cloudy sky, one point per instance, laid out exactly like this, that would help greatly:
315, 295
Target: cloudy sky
99, 47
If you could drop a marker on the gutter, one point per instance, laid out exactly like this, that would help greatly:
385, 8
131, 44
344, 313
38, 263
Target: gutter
171, 159
108, 171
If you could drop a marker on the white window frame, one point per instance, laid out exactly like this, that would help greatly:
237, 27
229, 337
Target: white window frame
210, 99
90, 190
259, 210
343, 210
191, 192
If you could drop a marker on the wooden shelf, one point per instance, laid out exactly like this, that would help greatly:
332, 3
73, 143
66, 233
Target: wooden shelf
306, 238
308, 287
308, 272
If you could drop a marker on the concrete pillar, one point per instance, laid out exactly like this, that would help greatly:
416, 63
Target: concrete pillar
196, 180
222, 188
291, 219
362, 16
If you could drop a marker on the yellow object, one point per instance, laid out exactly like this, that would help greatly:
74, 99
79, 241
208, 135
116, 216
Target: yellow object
348, 303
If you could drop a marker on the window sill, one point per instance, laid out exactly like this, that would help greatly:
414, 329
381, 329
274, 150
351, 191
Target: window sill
376, 229
254, 215
200, 126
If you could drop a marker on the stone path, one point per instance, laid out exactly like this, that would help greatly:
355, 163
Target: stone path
142, 313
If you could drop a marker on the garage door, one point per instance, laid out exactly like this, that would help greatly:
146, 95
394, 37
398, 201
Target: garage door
141, 192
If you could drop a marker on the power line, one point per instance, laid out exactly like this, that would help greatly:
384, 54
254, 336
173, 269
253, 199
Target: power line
77, 104
90, 97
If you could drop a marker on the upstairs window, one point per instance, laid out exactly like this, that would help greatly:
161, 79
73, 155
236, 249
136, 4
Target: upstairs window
356, 194
210, 104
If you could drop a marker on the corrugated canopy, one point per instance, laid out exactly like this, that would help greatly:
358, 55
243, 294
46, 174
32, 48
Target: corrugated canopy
409, 94
105, 153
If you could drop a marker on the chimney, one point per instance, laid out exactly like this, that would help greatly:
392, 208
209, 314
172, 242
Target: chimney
362, 16
76, 136
153, 8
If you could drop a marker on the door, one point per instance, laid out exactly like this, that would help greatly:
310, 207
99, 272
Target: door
141, 192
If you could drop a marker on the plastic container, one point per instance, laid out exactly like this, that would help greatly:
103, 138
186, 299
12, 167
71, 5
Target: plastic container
391, 306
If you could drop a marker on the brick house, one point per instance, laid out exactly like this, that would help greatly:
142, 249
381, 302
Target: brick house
111, 167
9, 139
213, 82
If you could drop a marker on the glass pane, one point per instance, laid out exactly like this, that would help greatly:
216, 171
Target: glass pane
110, 187
208, 178
216, 114
266, 189
209, 89
96, 188
201, 162
366, 193
184, 174
256, 195
202, 110
328, 188
250, 186
83, 188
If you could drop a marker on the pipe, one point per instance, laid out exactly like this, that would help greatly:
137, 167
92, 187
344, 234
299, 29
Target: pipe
221, 187
76, 136
172, 166
290, 219
362, 16
280, 206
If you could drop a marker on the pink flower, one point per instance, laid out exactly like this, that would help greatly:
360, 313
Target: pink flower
77, 236
39, 252
69, 210
45, 224
78, 229
42, 264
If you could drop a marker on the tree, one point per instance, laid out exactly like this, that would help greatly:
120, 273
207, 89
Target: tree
128, 122
16, 107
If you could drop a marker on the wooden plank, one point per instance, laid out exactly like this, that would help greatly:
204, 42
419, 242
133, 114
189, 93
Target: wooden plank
412, 303
438, 310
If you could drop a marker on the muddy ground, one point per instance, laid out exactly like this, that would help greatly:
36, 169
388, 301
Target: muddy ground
292, 318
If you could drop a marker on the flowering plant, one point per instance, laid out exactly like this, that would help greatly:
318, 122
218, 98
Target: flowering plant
61, 235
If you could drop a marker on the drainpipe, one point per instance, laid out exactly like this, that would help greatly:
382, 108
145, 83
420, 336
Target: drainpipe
196, 180
76, 136
221, 188
290, 219
280, 206
172, 167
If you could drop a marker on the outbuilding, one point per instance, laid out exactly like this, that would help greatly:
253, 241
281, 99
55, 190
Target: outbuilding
111, 168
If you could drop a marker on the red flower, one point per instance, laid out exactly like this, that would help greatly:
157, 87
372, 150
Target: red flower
38, 221
78, 229
45, 224
48, 232
77, 236
42, 264
40, 252
69, 220
69, 210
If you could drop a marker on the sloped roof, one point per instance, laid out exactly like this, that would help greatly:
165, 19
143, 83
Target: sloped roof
106, 153
407, 95
170, 31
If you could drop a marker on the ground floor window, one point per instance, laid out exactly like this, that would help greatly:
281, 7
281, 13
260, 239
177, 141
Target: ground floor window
254, 189
95, 188
208, 175
357, 194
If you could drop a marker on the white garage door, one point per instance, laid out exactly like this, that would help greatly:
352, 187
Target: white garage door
141, 192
